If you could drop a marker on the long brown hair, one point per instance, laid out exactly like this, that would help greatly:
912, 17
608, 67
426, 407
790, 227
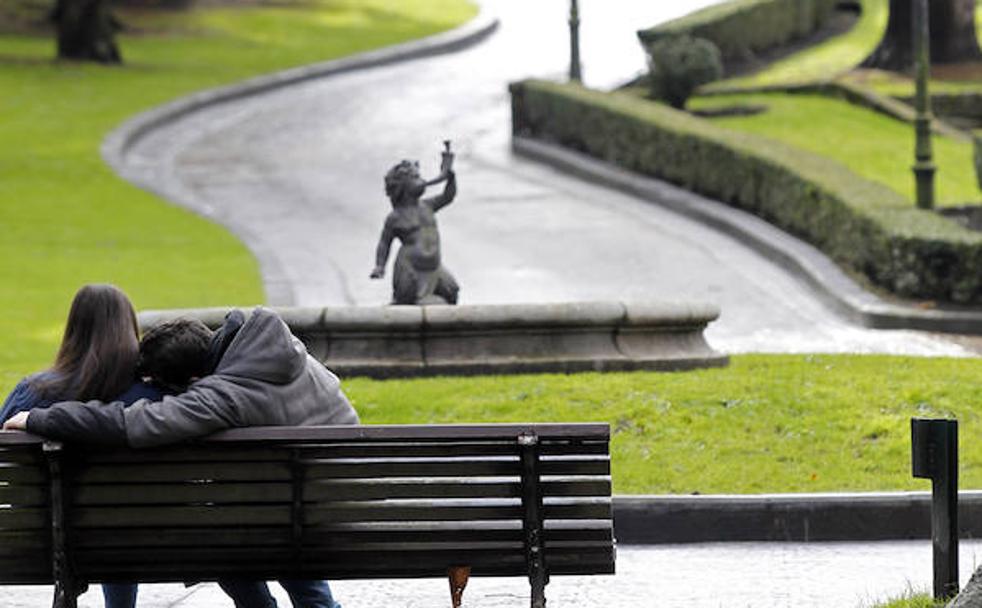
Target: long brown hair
98, 354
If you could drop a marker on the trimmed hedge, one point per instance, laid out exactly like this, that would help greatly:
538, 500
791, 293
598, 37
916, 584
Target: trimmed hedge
966, 105
860, 224
743, 28
977, 140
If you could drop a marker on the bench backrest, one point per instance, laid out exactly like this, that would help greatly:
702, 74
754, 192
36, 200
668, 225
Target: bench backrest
323, 502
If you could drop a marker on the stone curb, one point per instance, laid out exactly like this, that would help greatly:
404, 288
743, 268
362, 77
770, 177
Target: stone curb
811, 265
785, 517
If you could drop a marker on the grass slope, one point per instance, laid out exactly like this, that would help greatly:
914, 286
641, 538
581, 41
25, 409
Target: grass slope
767, 423
871, 144
825, 60
69, 220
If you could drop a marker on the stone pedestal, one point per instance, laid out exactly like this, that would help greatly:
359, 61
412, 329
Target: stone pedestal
393, 341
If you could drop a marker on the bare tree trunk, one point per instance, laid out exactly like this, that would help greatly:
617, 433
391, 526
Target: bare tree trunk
953, 36
956, 40
86, 31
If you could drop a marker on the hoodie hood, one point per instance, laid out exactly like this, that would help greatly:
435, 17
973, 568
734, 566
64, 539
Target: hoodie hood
264, 349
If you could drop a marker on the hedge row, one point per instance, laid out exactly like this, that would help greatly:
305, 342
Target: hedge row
743, 28
966, 105
977, 141
860, 224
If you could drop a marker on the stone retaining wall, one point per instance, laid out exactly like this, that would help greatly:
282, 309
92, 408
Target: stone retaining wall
390, 341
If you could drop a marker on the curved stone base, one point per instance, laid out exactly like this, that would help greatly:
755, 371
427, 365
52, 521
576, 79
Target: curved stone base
394, 341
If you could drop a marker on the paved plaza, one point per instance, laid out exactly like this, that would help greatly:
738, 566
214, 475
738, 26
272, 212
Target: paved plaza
714, 575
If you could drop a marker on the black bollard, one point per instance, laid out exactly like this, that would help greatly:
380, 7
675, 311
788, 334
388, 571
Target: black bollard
934, 455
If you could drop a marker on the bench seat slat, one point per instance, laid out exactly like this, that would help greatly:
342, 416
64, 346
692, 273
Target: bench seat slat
20, 440
351, 468
346, 566
206, 453
188, 536
22, 474
23, 495
94, 538
171, 473
425, 526
360, 489
25, 518
414, 432
444, 510
343, 468
319, 513
394, 561
29, 456
444, 449
314, 491
195, 453
336, 468
314, 537
23, 539
176, 516
183, 493
355, 512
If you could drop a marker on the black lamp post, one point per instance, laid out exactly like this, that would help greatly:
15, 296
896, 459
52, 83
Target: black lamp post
574, 42
923, 165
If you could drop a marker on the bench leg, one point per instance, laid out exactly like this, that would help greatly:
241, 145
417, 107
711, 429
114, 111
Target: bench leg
538, 582
458, 576
65, 596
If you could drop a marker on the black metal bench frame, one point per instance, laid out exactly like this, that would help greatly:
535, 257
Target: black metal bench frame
541, 455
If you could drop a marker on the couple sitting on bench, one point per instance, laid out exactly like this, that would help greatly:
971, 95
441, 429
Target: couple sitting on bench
180, 382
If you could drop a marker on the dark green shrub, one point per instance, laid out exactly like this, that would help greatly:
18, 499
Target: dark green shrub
978, 158
859, 223
679, 65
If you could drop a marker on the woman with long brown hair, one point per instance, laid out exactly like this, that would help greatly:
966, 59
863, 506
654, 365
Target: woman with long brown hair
97, 360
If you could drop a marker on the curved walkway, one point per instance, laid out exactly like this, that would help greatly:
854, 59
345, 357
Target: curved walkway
297, 172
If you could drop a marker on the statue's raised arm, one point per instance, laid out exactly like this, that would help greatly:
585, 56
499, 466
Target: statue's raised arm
446, 174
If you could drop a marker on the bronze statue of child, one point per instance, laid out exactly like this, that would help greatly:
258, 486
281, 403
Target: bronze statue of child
418, 276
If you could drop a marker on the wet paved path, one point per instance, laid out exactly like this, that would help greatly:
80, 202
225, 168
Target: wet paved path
301, 170
716, 575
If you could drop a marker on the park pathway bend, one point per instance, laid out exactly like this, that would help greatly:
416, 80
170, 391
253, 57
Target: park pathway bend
297, 173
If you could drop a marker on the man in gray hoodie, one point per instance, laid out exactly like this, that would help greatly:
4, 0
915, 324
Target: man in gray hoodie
251, 372
262, 375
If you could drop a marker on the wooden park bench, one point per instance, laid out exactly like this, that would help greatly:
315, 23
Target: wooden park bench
346, 502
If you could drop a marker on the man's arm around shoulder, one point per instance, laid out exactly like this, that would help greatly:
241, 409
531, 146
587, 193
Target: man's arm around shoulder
94, 422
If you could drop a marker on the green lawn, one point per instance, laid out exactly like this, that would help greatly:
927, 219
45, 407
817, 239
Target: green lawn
825, 60
838, 55
870, 144
69, 220
767, 423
